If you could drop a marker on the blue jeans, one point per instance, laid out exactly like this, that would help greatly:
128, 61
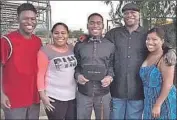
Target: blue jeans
126, 109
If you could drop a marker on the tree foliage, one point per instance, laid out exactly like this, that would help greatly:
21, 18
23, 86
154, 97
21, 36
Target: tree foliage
153, 13
41, 32
76, 33
151, 10
72, 33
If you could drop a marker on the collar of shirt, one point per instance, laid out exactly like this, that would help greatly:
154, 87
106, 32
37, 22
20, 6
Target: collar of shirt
137, 30
95, 39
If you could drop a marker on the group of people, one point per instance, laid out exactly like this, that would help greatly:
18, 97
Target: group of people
126, 74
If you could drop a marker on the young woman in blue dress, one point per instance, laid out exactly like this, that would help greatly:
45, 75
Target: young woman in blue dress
157, 74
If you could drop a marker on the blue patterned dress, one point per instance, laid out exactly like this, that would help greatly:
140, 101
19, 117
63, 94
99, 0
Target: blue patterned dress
152, 82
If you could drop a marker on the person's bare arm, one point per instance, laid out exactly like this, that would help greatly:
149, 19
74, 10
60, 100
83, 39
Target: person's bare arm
167, 77
167, 72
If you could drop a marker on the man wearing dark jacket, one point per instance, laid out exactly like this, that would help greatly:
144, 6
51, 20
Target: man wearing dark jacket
127, 88
94, 71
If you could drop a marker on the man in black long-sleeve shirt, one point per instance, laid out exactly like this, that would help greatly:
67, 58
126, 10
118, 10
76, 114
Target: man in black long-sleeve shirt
127, 88
94, 71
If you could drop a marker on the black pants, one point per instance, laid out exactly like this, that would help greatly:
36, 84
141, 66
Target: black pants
63, 110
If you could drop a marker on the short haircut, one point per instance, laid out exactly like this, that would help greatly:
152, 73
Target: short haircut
26, 6
60, 23
95, 14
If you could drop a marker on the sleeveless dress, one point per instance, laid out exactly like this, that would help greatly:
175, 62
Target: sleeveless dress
152, 84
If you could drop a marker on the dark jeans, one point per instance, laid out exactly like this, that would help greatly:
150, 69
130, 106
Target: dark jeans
25, 113
100, 105
63, 110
